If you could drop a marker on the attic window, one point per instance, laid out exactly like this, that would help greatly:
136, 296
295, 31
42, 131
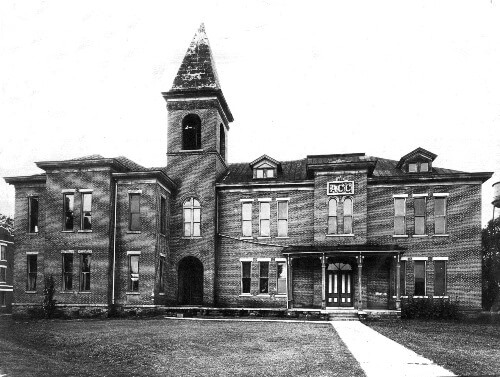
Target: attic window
264, 173
265, 167
418, 167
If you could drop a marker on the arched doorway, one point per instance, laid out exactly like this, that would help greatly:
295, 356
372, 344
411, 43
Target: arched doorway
190, 281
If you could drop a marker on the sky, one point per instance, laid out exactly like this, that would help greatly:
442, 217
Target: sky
379, 77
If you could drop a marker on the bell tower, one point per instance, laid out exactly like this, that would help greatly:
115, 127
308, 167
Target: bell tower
198, 124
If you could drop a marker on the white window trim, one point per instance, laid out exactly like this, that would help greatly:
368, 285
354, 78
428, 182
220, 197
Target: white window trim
280, 259
264, 199
420, 195
67, 251
420, 258
134, 191
85, 190
246, 259
263, 259
403, 258
278, 218
32, 253
400, 195
440, 258
400, 236
133, 253
84, 251
247, 200
68, 191
419, 235
441, 235
282, 199
441, 194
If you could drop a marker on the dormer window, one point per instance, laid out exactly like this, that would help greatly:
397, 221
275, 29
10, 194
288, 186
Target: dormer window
418, 167
417, 161
265, 167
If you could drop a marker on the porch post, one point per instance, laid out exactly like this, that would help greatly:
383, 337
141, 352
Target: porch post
323, 282
360, 293
289, 290
398, 283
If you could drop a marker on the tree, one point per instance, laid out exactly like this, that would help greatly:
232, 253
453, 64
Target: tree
7, 222
491, 265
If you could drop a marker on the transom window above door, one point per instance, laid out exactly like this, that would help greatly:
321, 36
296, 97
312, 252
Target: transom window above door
339, 267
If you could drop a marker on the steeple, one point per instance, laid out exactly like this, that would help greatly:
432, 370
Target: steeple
197, 76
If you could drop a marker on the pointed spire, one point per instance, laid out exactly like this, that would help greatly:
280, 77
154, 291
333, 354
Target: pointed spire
197, 70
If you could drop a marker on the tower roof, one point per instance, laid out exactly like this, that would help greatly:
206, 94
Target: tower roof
197, 76
197, 70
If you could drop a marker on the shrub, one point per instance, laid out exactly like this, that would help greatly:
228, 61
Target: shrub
49, 304
428, 308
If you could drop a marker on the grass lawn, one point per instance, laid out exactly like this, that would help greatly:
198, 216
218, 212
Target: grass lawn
469, 349
154, 347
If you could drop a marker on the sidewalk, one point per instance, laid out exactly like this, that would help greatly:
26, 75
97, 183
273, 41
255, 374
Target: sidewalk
381, 356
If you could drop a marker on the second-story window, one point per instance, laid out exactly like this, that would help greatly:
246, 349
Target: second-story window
264, 219
419, 204
3, 252
282, 218
348, 216
86, 223
192, 218
134, 223
440, 215
332, 216
163, 215
33, 214
68, 211
399, 216
246, 219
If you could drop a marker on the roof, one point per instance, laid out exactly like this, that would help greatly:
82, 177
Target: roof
415, 153
291, 171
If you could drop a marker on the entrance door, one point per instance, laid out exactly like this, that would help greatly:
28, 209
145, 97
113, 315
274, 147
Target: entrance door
339, 290
190, 281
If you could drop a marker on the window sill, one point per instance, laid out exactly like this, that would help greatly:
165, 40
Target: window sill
280, 295
133, 232
191, 150
246, 238
32, 234
420, 296
161, 294
440, 235
85, 292
191, 238
282, 237
67, 292
67, 231
245, 295
132, 293
399, 236
440, 296
264, 237
420, 235
84, 230
31, 292
263, 295
340, 235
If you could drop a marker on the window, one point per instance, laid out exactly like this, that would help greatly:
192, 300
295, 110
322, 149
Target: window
280, 278
264, 219
67, 272
419, 204
264, 173
399, 216
246, 219
86, 211
348, 216
31, 270
419, 277
246, 279
3, 274
134, 223
332, 216
133, 262
192, 218
263, 277
3, 252
3, 299
33, 214
68, 211
440, 215
85, 271
424, 166
418, 167
191, 132
440, 278
402, 277
163, 215
161, 280
282, 218
412, 167
222, 147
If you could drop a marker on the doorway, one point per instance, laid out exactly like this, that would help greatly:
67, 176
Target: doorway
339, 288
190, 281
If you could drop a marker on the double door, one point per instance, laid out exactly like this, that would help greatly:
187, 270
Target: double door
338, 287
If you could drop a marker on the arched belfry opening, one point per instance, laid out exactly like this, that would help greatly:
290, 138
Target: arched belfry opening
191, 132
190, 275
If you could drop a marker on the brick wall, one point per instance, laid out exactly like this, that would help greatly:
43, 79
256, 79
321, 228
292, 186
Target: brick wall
6, 289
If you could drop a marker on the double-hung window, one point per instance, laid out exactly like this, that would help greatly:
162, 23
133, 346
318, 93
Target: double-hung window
192, 218
399, 215
440, 214
85, 271
246, 277
133, 267
264, 277
402, 277
348, 216
3, 252
420, 278
265, 218
68, 211
280, 278
282, 217
3, 274
439, 277
31, 272
33, 214
134, 211
67, 271
161, 280
246, 219
332, 216
419, 207
86, 217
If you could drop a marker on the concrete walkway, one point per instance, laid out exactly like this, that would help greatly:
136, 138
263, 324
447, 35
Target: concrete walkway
381, 356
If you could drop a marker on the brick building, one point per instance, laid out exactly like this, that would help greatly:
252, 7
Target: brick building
6, 269
325, 231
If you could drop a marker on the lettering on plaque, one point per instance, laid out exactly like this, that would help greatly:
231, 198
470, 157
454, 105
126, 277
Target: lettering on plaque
340, 188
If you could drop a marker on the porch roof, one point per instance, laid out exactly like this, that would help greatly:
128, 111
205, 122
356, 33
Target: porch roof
356, 249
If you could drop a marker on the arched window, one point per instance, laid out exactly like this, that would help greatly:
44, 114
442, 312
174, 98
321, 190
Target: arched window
347, 216
192, 218
332, 216
222, 146
191, 132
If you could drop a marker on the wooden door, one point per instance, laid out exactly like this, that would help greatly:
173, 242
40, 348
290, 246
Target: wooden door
339, 290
